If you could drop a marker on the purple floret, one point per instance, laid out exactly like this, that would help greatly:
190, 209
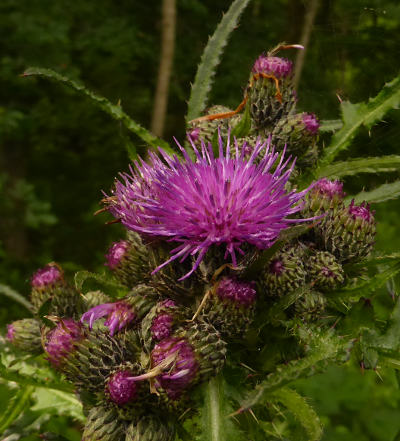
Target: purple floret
279, 67
61, 340
276, 267
10, 332
47, 275
239, 293
193, 135
119, 315
115, 253
122, 388
161, 326
362, 211
329, 188
184, 369
310, 122
215, 201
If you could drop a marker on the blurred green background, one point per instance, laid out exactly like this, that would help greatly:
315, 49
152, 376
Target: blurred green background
58, 152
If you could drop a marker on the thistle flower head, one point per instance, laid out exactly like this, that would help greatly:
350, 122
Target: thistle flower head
116, 252
215, 201
184, 365
162, 326
329, 188
61, 340
279, 67
362, 211
310, 122
240, 293
122, 388
119, 315
46, 276
10, 332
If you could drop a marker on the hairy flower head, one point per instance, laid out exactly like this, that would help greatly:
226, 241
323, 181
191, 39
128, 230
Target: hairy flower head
213, 201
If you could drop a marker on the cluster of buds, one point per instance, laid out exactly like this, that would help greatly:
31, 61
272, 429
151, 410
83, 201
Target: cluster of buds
195, 231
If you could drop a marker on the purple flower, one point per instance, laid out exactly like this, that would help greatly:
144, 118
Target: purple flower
329, 188
239, 293
116, 252
276, 267
119, 314
362, 211
48, 275
193, 135
184, 368
10, 332
122, 388
279, 67
161, 326
61, 340
214, 201
310, 122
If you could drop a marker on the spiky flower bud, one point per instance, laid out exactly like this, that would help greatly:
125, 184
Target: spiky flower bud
299, 134
150, 428
62, 340
25, 335
128, 260
100, 356
189, 356
348, 232
160, 322
124, 312
325, 271
284, 273
119, 315
121, 388
206, 130
271, 95
324, 195
310, 306
49, 283
95, 298
103, 424
231, 307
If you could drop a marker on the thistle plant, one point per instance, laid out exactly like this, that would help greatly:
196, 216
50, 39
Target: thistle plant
239, 240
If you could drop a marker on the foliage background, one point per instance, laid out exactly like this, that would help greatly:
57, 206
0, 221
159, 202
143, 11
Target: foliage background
57, 152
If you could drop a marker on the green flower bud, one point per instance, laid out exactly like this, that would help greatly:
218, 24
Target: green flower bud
150, 428
103, 424
325, 271
25, 335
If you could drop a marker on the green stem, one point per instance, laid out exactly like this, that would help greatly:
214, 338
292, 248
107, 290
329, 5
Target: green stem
212, 396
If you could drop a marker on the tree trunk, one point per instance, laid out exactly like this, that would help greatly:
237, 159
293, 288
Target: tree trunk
309, 18
165, 67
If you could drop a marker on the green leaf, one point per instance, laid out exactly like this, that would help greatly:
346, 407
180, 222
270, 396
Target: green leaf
330, 125
243, 127
325, 348
382, 193
216, 425
362, 114
115, 111
211, 58
301, 410
360, 165
12, 294
57, 402
354, 292
103, 279
17, 405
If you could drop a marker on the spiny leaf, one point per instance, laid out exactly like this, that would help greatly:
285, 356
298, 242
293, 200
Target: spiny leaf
301, 410
57, 402
360, 165
373, 261
12, 294
210, 59
115, 111
16, 406
362, 114
216, 426
102, 279
382, 193
330, 125
325, 348
365, 288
